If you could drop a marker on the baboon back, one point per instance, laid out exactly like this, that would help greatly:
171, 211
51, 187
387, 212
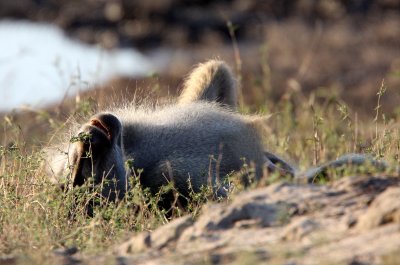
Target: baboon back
199, 141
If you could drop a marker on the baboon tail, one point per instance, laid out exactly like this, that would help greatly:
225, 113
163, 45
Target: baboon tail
210, 81
362, 161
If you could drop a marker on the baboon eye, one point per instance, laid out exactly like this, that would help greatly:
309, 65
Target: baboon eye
102, 127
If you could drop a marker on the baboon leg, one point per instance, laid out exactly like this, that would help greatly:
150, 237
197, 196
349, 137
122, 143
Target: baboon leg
275, 163
210, 81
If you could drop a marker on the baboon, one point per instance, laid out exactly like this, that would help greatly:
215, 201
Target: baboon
198, 140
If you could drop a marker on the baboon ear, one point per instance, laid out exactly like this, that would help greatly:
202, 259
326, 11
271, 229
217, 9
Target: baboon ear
211, 81
109, 125
86, 148
93, 141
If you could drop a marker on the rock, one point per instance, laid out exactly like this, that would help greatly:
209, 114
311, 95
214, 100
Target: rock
299, 228
170, 232
136, 244
384, 209
366, 184
355, 220
368, 247
217, 217
157, 240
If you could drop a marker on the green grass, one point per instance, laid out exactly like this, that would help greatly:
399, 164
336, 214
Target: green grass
36, 217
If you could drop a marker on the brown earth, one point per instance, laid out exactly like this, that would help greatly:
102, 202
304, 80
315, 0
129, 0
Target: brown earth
355, 220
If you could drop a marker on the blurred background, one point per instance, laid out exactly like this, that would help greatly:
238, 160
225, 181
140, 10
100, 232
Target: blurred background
54, 50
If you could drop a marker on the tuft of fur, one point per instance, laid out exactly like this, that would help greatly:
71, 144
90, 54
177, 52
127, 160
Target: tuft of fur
210, 81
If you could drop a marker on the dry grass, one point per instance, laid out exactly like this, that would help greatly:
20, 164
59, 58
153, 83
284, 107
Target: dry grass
35, 217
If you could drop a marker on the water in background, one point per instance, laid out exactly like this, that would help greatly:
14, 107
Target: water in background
40, 65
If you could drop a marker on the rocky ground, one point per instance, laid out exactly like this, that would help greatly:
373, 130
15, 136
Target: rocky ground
355, 220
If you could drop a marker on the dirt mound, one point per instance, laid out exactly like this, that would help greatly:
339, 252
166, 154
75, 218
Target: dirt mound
355, 220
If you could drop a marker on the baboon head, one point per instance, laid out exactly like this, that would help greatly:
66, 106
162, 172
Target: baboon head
96, 154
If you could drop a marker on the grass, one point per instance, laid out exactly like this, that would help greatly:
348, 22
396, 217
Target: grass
35, 217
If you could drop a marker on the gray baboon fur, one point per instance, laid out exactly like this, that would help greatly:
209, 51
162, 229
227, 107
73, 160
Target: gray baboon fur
196, 141
199, 140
